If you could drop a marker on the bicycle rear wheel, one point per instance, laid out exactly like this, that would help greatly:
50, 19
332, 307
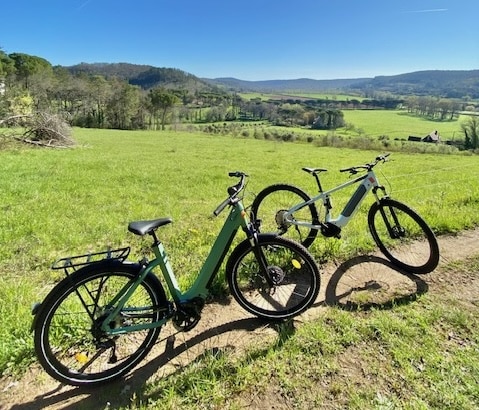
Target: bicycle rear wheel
68, 340
269, 207
293, 270
403, 236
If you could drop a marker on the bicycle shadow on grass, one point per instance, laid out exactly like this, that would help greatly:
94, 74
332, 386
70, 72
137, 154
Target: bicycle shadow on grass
371, 282
125, 391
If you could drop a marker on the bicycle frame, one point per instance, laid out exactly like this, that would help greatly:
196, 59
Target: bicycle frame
368, 182
237, 218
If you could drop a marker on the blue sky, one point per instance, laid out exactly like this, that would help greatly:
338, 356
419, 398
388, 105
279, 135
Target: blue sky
250, 39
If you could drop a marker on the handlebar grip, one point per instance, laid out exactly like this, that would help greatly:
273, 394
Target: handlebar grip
353, 170
383, 157
237, 174
221, 206
232, 191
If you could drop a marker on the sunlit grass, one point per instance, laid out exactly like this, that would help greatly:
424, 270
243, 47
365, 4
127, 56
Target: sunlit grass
58, 203
400, 124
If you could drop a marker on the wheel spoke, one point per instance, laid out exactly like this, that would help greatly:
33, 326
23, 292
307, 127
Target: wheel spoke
270, 206
293, 272
69, 340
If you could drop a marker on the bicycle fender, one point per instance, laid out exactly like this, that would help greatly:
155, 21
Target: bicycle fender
105, 263
37, 306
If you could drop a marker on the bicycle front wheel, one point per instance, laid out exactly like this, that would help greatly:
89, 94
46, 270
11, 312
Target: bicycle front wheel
69, 342
403, 236
292, 269
270, 205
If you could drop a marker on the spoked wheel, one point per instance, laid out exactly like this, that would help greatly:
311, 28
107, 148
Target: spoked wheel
403, 236
270, 205
293, 272
69, 341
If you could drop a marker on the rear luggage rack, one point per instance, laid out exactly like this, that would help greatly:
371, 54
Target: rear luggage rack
71, 263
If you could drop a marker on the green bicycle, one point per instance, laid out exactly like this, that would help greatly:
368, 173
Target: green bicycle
104, 317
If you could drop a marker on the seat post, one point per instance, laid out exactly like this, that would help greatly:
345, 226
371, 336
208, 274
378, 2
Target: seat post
156, 242
316, 176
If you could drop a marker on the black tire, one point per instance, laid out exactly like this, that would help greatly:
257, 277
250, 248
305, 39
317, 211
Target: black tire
291, 265
412, 246
69, 344
273, 200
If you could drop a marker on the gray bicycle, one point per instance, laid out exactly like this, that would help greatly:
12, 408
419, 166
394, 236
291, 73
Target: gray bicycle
399, 232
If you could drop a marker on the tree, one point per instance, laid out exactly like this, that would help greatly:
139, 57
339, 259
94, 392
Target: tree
98, 94
161, 101
7, 65
291, 113
471, 132
444, 107
216, 114
329, 120
27, 65
123, 106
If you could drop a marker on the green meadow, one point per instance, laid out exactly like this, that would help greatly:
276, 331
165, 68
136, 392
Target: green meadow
400, 124
63, 202
299, 94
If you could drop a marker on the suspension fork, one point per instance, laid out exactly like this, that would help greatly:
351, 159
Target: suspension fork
393, 233
252, 233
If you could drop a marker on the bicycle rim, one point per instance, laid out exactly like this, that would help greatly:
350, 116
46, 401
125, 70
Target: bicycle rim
269, 207
404, 237
68, 341
292, 268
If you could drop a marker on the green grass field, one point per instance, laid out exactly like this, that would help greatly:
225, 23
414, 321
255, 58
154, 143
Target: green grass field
61, 202
302, 95
400, 124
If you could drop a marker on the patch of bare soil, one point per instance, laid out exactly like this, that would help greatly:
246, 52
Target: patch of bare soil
362, 280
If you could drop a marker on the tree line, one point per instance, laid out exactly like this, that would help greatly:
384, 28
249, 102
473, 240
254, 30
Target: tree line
156, 97
434, 107
32, 84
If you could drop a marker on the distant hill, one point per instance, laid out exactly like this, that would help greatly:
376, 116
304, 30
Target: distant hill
121, 70
451, 84
441, 83
301, 84
146, 76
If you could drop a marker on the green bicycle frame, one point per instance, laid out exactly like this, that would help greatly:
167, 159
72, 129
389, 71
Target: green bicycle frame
237, 218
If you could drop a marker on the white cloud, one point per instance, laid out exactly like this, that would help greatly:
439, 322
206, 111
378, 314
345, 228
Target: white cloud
426, 11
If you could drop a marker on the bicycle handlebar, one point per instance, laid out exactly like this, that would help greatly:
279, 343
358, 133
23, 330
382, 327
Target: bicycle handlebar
367, 167
233, 191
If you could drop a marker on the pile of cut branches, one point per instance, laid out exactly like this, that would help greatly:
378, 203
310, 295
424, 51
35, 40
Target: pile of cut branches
41, 129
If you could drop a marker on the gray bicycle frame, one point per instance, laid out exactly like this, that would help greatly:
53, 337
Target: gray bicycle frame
369, 181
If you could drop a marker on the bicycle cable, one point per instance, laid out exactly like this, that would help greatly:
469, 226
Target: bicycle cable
388, 182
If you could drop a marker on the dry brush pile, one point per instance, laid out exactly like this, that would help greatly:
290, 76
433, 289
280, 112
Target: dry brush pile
40, 129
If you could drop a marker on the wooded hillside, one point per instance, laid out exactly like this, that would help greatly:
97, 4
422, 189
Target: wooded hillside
449, 84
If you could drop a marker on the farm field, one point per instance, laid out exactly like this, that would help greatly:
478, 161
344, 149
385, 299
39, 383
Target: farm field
400, 124
301, 95
57, 203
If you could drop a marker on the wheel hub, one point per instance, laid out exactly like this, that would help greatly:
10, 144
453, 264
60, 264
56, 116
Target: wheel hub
96, 330
276, 274
398, 232
281, 221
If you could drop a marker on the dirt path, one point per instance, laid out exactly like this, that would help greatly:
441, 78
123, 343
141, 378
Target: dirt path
368, 279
